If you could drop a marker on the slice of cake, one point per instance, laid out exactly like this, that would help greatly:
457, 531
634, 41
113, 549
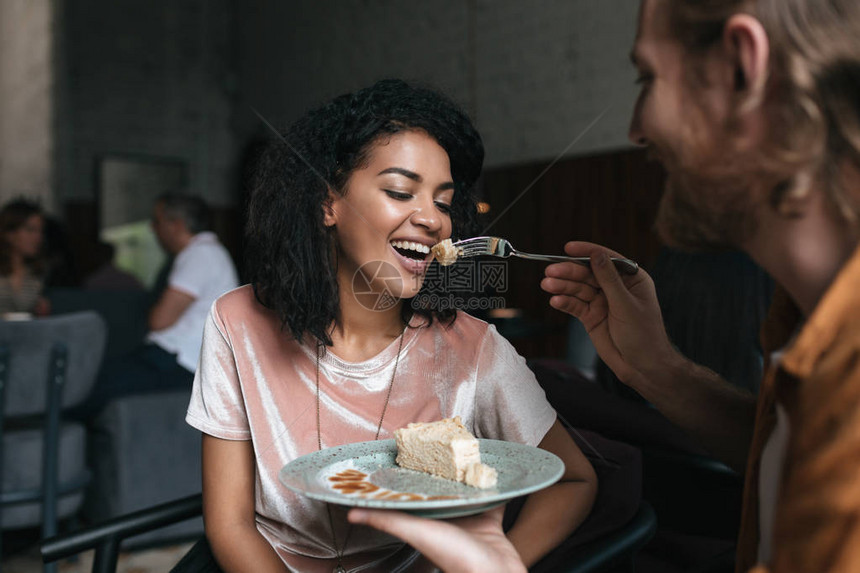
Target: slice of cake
445, 252
481, 476
445, 449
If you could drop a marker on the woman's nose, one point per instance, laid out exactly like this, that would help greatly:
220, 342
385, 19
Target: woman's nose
427, 215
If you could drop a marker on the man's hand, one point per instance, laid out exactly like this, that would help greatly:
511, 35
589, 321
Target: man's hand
475, 543
620, 314
623, 319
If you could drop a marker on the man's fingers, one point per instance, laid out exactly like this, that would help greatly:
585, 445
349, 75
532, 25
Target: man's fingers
571, 272
569, 304
590, 314
434, 539
581, 291
396, 523
608, 278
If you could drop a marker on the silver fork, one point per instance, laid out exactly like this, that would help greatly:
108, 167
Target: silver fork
498, 247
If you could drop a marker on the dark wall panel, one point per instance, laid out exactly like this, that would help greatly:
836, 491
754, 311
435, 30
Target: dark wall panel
609, 199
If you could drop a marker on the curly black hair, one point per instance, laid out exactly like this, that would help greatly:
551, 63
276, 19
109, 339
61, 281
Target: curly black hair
13, 216
288, 258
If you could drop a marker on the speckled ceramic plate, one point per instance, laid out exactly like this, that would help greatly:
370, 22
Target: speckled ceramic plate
365, 475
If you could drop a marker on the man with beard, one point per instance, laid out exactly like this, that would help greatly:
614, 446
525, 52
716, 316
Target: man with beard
754, 109
753, 106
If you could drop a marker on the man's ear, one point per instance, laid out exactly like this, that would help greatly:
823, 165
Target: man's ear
181, 226
747, 44
329, 210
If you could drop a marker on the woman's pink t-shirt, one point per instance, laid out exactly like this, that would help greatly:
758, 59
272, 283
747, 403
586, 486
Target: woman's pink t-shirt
255, 382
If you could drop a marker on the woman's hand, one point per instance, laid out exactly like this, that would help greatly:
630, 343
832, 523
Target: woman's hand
463, 545
620, 313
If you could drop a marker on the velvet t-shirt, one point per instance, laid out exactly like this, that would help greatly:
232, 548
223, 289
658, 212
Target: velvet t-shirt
256, 382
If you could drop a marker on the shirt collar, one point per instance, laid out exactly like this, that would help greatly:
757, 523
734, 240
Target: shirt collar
839, 306
203, 237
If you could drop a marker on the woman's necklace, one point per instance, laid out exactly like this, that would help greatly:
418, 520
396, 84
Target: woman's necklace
339, 552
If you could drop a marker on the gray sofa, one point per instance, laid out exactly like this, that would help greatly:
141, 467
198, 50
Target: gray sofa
144, 454
140, 449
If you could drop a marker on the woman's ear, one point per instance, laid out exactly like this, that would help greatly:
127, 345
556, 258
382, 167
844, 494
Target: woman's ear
329, 209
748, 46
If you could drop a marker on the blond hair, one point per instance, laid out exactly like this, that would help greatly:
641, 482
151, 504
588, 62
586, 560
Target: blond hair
813, 93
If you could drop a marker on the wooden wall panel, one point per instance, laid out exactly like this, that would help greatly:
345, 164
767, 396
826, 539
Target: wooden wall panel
609, 199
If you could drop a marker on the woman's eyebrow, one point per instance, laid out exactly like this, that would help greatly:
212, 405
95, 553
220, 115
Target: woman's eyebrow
414, 176
400, 171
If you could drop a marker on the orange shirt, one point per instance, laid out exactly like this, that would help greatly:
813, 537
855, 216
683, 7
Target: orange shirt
817, 521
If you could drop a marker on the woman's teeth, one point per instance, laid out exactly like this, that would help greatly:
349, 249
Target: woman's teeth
411, 249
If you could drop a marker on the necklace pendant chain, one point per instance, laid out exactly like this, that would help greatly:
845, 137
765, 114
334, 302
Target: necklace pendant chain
339, 552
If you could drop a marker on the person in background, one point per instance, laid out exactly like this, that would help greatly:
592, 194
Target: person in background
61, 265
201, 271
106, 275
22, 265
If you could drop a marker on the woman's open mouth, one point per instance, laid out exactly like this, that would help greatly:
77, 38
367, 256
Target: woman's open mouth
413, 256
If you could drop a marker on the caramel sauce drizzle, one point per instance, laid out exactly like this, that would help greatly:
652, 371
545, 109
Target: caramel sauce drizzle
349, 482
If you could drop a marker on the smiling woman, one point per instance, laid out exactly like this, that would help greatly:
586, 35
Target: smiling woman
307, 174
395, 208
325, 348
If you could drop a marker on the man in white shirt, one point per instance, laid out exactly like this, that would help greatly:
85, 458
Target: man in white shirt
201, 271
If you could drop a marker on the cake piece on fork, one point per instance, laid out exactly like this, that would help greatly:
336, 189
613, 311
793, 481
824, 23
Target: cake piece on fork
445, 252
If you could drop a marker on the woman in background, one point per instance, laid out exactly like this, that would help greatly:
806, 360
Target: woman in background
22, 267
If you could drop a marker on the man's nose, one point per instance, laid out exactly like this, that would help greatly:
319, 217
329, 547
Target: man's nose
635, 133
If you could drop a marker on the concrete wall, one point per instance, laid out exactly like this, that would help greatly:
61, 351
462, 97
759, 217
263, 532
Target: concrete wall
148, 81
533, 74
178, 79
26, 100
